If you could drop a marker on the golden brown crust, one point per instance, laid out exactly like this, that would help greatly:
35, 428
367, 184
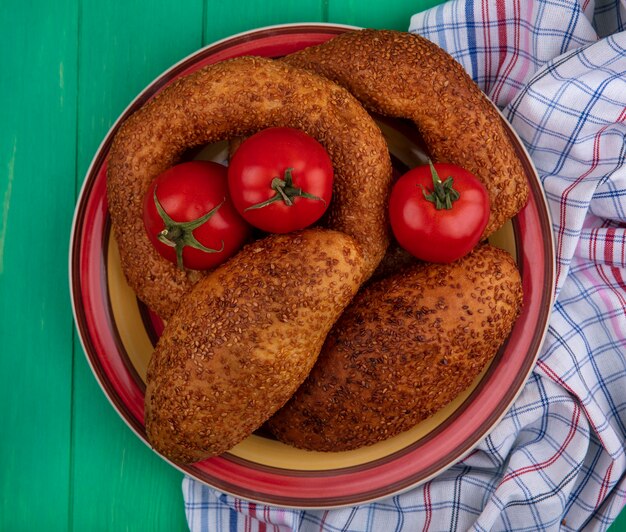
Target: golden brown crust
244, 338
229, 99
404, 75
404, 348
396, 259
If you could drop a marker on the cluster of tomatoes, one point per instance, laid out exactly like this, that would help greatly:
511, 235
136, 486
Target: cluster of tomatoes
198, 214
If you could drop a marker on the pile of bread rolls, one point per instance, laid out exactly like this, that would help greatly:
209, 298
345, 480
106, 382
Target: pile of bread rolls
292, 332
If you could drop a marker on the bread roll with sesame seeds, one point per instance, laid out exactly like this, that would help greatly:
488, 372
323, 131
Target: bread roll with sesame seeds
404, 75
236, 98
404, 348
243, 340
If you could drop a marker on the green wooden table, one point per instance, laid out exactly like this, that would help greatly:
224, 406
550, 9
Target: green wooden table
67, 70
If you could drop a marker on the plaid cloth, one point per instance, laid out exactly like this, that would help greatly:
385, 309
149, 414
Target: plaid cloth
557, 460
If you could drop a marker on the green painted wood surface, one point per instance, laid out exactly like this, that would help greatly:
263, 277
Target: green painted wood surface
121, 50
37, 170
67, 69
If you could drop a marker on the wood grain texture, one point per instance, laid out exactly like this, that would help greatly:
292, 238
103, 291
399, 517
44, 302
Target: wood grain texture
37, 157
389, 15
223, 18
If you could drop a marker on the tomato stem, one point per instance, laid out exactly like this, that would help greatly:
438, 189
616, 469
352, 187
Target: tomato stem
285, 191
443, 194
180, 234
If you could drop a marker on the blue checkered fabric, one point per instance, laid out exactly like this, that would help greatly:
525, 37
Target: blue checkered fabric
557, 69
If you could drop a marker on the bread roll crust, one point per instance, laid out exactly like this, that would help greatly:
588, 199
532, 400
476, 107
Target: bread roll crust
403, 349
243, 340
405, 75
236, 98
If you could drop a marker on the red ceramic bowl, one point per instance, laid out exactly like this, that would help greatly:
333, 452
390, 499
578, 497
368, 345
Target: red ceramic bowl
118, 333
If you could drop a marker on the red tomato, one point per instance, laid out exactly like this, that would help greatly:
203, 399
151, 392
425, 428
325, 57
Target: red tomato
438, 219
280, 180
189, 217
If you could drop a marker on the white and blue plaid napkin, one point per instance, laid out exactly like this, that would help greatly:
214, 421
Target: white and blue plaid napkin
557, 69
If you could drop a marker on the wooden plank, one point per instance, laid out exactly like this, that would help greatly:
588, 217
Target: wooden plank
377, 14
222, 19
118, 482
37, 158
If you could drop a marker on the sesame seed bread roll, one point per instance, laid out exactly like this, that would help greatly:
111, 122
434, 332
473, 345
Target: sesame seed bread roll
236, 98
243, 340
404, 348
404, 75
